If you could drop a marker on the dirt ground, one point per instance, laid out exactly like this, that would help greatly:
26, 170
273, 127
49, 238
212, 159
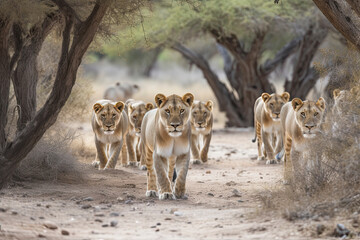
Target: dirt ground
223, 202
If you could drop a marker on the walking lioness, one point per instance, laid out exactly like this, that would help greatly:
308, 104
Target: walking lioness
165, 136
110, 125
201, 129
136, 111
267, 125
301, 124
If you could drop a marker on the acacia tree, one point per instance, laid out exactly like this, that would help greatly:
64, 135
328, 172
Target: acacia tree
241, 29
20, 45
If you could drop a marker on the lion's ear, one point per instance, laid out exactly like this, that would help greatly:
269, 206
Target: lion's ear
149, 106
321, 104
336, 93
130, 108
296, 103
119, 106
355, 90
160, 99
285, 96
209, 105
97, 107
265, 96
188, 98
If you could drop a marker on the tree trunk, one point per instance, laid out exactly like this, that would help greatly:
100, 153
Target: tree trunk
304, 76
26, 75
152, 62
340, 15
5, 73
68, 65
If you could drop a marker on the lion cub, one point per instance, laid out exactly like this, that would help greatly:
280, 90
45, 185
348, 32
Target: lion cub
110, 125
136, 111
201, 126
301, 124
165, 136
267, 124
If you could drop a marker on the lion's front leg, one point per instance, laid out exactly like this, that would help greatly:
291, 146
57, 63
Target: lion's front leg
195, 149
101, 158
171, 167
259, 141
142, 155
115, 149
151, 190
182, 166
161, 168
138, 149
130, 147
267, 138
205, 149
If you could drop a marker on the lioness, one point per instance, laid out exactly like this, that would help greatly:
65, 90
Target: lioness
267, 124
301, 124
165, 135
201, 126
110, 125
121, 91
136, 111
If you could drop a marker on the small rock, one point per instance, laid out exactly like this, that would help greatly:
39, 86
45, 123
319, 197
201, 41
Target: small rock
99, 215
38, 205
113, 223
128, 202
105, 225
120, 199
48, 206
240, 201
88, 199
157, 230
2, 210
188, 222
148, 204
65, 232
14, 213
178, 213
158, 224
153, 227
210, 194
236, 193
167, 219
341, 231
86, 206
320, 228
131, 197
50, 225
173, 210
98, 220
31, 218
41, 235
41, 217
114, 214
208, 172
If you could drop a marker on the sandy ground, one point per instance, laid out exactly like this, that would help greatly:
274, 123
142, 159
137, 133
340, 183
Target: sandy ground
223, 202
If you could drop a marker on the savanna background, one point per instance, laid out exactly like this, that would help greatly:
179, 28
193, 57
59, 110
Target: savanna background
58, 57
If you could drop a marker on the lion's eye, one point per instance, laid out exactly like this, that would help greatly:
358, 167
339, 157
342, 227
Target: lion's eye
102, 115
182, 110
316, 113
271, 105
114, 116
303, 114
134, 117
195, 113
205, 113
167, 111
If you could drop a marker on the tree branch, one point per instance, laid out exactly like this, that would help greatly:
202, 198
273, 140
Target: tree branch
355, 5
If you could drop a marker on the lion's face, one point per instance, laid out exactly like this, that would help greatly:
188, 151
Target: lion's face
273, 104
136, 114
308, 115
108, 115
344, 99
201, 114
174, 112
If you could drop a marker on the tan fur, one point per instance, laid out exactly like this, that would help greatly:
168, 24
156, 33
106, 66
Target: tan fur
301, 124
165, 136
110, 125
121, 92
267, 124
136, 111
201, 127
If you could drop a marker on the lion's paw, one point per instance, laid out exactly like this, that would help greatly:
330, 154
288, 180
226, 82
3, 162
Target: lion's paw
272, 161
166, 195
143, 167
95, 164
133, 164
262, 158
196, 161
151, 193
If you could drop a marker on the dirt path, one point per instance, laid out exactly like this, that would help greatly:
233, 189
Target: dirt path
222, 202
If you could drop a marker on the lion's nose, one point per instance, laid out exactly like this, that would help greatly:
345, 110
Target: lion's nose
200, 123
277, 114
309, 126
175, 125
